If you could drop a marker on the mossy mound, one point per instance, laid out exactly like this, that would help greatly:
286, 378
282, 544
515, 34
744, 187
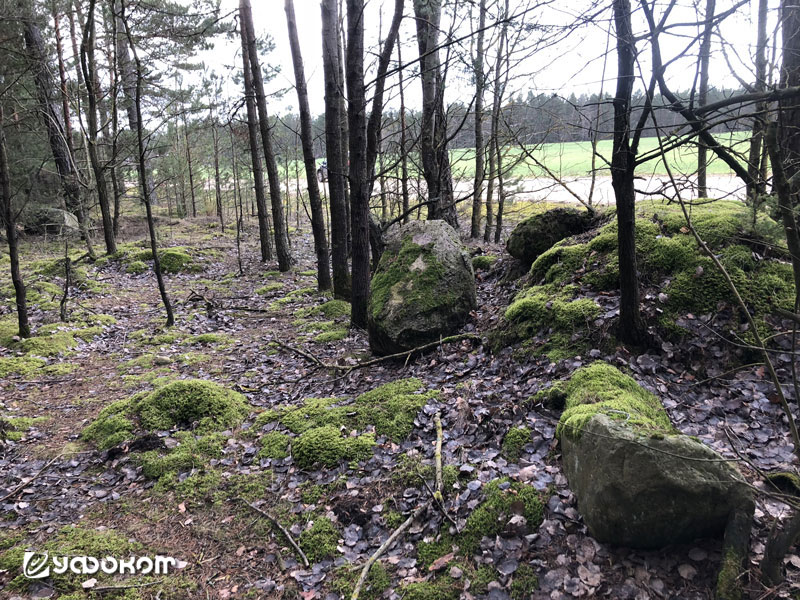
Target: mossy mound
202, 406
319, 541
668, 257
332, 309
603, 389
319, 422
20, 365
326, 445
514, 442
483, 262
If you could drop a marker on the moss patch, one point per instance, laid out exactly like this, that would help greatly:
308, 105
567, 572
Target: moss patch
484, 262
14, 428
601, 388
514, 441
274, 445
377, 582
392, 407
269, 288
327, 446
20, 365
319, 541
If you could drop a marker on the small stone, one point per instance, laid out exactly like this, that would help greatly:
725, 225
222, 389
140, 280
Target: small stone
456, 573
161, 359
698, 554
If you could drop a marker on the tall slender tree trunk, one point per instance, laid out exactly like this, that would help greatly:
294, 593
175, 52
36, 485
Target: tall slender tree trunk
128, 78
281, 239
89, 68
631, 325
477, 199
754, 164
334, 86
359, 184
789, 114
63, 157
62, 76
142, 160
189, 164
307, 139
403, 138
262, 213
500, 90
9, 221
217, 182
433, 138
702, 96
117, 178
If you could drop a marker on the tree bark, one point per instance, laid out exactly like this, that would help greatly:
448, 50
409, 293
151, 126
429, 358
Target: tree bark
142, 162
217, 182
359, 184
499, 92
403, 142
10, 223
433, 138
702, 96
281, 239
477, 199
307, 139
262, 213
89, 69
757, 186
56, 135
631, 325
333, 148
789, 113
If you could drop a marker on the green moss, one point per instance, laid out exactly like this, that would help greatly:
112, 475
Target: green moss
377, 582
411, 471
250, 487
136, 267
20, 365
272, 273
786, 482
514, 441
319, 541
269, 288
559, 263
502, 499
428, 552
309, 273
524, 582
397, 271
315, 412
14, 428
293, 296
182, 403
274, 445
191, 452
601, 388
326, 445
209, 339
60, 342
199, 488
311, 493
729, 584
112, 426
546, 306
392, 407
393, 519
333, 335
483, 262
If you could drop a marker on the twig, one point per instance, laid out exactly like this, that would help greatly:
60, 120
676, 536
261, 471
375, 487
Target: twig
438, 456
283, 529
22, 485
304, 354
406, 524
112, 588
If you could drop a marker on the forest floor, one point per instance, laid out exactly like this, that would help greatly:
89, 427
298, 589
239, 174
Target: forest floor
266, 346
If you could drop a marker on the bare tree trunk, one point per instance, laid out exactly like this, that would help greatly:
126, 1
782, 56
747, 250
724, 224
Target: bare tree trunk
359, 184
129, 80
117, 178
62, 76
477, 199
142, 159
433, 138
10, 223
499, 92
702, 97
189, 163
631, 325
217, 183
754, 164
237, 201
281, 239
333, 148
403, 141
789, 113
64, 159
89, 75
317, 214
262, 213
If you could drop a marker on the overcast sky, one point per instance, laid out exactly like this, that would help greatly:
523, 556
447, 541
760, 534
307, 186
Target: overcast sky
576, 64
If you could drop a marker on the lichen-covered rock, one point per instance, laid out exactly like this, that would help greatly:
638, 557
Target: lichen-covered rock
637, 481
537, 234
424, 287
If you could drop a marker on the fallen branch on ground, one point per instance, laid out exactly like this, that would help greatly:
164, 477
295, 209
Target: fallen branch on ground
283, 529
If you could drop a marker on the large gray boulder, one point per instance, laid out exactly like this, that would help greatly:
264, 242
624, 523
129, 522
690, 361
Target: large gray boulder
537, 234
638, 482
423, 288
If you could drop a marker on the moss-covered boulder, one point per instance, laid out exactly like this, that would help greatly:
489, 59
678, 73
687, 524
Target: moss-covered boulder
638, 482
424, 287
537, 234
